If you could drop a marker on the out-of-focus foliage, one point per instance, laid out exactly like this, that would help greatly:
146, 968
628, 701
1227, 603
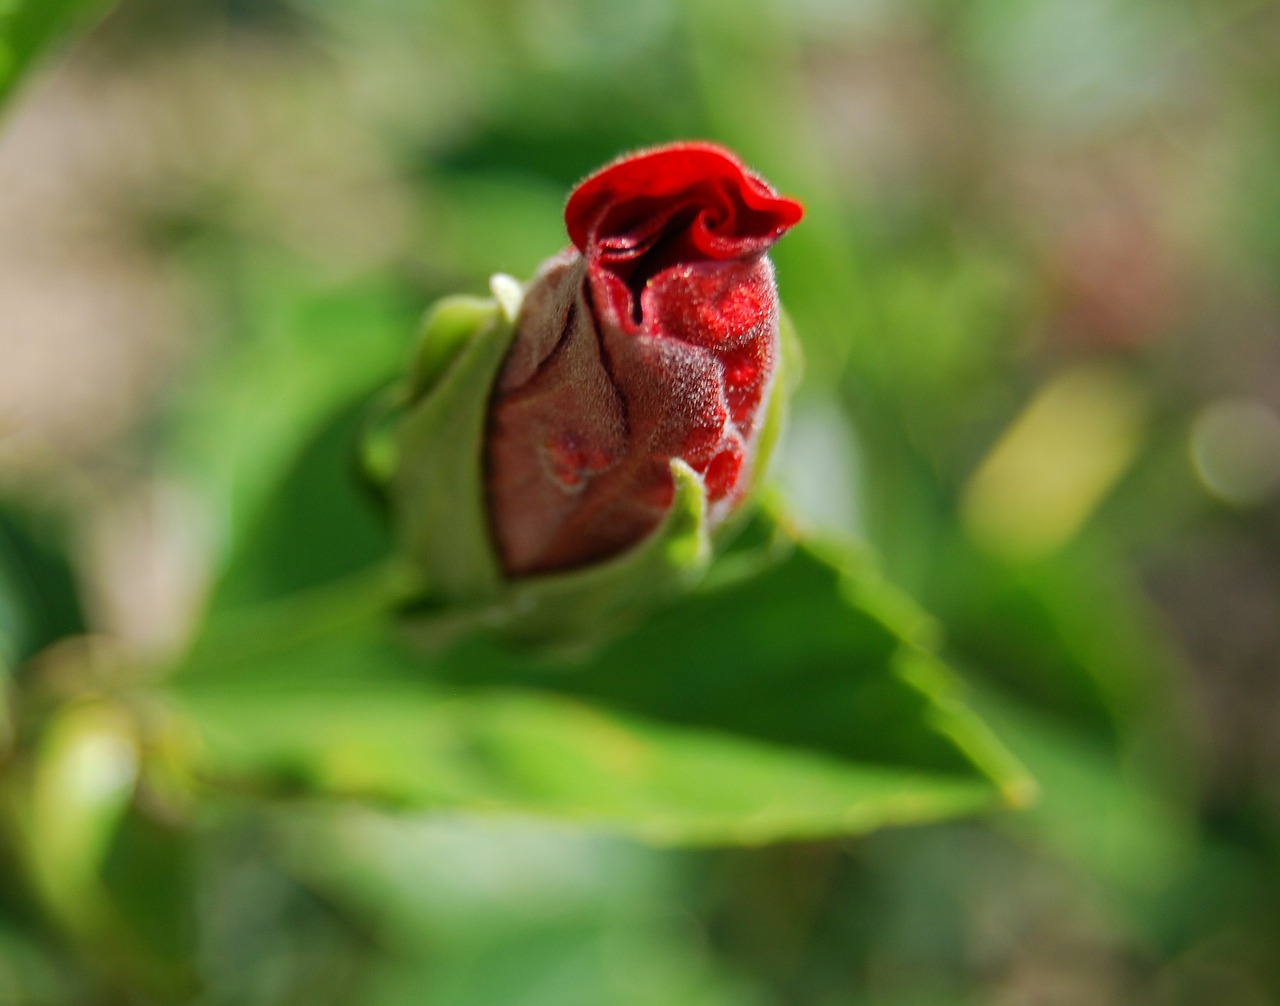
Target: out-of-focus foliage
1037, 290
815, 717
28, 27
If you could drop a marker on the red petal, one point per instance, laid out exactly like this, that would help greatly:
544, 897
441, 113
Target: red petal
735, 211
722, 474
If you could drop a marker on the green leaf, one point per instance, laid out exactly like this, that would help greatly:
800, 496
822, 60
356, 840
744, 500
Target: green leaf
266, 427
1069, 636
786, 705
108, 875
29, 27
149, 876
80, 789
316, 527
38, 598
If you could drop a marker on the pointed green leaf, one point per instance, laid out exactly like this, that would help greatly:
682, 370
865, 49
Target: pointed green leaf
780, 706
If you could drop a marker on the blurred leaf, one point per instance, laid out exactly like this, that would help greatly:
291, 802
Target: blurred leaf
1069, 636
80, 789
1254, 207
1093, 810
38, 597
29, 973
779, 706
110, 880
29, 27
317, 525
1073, 670
147, 874
482, 223
1055, 463
306, 353
948, 304
511, 912
641, 964
455, 881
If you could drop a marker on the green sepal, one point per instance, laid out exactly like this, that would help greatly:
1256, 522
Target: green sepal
431, 459
587, 604
450, 326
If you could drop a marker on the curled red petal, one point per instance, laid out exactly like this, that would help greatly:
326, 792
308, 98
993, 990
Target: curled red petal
729, 211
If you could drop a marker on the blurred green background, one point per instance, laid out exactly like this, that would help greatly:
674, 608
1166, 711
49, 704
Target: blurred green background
1038, 288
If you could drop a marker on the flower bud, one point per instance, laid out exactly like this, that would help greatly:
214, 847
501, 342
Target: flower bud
654, 338
597, 424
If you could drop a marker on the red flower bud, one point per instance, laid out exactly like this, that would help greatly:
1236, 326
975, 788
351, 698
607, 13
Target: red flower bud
654, 338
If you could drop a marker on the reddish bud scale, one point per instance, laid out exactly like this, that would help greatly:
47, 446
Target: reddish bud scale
654, 338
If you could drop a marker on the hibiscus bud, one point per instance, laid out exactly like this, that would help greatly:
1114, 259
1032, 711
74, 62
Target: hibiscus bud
654, 339
597, 424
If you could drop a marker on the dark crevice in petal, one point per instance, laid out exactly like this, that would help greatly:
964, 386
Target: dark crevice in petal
530, 386
669, 248
566, 331
606, 361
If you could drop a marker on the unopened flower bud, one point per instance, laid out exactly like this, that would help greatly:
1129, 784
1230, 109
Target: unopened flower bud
558, 445
654, 338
